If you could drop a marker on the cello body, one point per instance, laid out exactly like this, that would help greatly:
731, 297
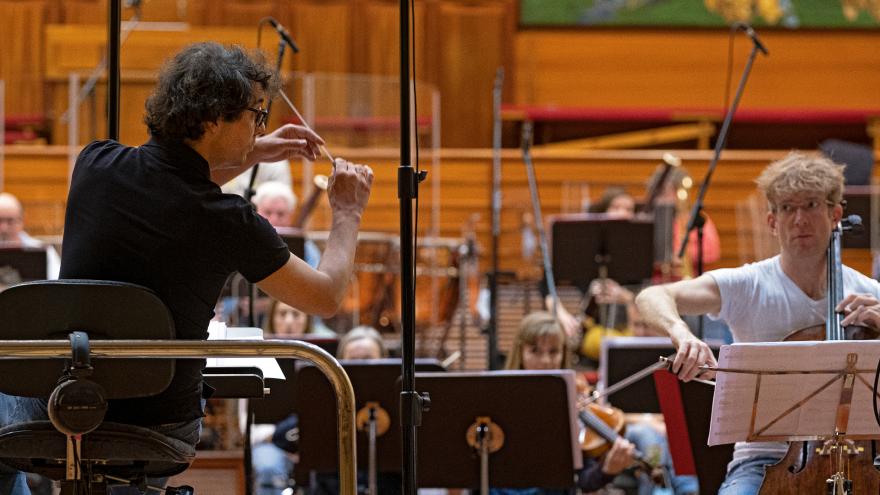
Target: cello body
807, 466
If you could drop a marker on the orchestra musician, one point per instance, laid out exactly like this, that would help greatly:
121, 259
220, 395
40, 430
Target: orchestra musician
541, 344
616, 203
12, 233
766, 300
154, 215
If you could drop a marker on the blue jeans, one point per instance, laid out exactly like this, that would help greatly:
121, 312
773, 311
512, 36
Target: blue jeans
15, 409
744, 477
653, 445
272, 469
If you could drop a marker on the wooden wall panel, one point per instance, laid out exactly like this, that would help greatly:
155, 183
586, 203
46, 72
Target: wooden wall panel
95, 11
79, 49
686, 69
21, 62
472, 45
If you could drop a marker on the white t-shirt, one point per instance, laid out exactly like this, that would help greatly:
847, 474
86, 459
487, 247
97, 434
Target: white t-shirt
760, 303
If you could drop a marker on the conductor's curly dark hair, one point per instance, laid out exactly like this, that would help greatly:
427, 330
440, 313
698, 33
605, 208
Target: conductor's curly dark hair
204, 83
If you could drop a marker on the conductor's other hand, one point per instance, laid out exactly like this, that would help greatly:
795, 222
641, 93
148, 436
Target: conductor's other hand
619, 457
693, 353
349, 188
286, 142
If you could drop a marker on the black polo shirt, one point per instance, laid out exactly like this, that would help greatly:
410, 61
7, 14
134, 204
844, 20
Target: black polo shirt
151, 216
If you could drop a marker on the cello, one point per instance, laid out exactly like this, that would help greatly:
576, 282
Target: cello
833, 464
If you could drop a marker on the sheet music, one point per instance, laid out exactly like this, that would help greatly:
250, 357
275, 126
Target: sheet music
732, 407
218, 330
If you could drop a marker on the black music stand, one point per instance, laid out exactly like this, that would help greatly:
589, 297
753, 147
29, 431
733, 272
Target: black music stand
28, 262
281, 400
583, 244
373, 381
295, 240
534, 417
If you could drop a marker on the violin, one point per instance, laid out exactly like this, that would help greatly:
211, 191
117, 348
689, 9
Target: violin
603, 425
838, 464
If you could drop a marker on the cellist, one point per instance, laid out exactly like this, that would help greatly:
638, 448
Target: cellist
766, 300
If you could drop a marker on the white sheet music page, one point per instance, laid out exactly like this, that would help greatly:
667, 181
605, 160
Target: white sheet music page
217, 330
735, 393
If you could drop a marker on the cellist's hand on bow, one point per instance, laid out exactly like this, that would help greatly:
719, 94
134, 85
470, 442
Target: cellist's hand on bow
692, 353
860, 309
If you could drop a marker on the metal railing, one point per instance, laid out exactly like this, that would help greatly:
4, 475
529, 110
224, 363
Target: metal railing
200, 349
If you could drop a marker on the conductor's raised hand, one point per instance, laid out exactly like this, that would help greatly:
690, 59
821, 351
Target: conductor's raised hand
287, 142
349, 187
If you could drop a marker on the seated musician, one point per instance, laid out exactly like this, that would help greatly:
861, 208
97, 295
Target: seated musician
765, 301
673, 196
12, 233
617, 203
154, 215
541, 344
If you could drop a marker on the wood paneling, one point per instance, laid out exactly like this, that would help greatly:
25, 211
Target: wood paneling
79, 49
21, 62
687, 68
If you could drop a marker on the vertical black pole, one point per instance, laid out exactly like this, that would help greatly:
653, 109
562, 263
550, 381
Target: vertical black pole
114, 20
492, 329
407, 187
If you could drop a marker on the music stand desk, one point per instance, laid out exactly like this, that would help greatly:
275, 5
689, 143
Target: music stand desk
581, 243
535, 410
785, 391
29, 262
373, 381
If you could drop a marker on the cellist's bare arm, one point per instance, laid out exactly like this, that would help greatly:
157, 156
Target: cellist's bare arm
661, 307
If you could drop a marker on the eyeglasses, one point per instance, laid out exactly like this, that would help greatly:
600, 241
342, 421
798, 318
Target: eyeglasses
262, 116
809, 207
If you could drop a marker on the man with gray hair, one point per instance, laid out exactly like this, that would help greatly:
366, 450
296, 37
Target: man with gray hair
767, 300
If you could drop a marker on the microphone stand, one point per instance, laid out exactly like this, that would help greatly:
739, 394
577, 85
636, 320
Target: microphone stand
114, 19
116, 38
492, 327
249, 192
252, 295
412, 403
697, 218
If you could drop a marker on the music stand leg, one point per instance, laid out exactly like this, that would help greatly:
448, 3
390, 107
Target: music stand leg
372, 475
483, 439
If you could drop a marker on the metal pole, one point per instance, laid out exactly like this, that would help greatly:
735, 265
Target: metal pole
114, 20
411, 403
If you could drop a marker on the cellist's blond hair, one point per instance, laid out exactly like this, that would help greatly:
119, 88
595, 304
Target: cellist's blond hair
801, 173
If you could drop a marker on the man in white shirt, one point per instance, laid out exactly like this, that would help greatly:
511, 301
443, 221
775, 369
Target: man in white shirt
12, 233
767, 300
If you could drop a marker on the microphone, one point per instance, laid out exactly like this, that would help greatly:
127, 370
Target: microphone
283, 33
754, 36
